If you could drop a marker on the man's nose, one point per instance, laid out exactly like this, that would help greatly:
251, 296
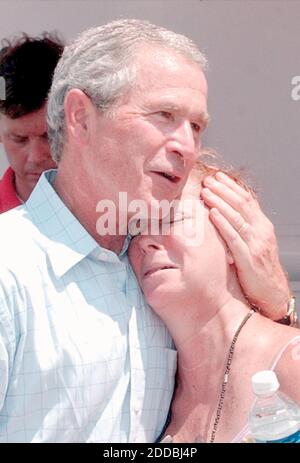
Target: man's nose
39, 151
183, 142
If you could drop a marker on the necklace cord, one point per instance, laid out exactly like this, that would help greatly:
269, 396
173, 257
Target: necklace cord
226, 375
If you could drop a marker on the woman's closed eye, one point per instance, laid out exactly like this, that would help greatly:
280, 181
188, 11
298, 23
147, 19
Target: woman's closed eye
173, 219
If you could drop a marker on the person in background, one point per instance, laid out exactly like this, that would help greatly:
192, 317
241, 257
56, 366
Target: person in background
189, 278
26, 67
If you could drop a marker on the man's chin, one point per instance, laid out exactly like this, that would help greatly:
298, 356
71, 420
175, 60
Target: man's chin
33, 178
31, 181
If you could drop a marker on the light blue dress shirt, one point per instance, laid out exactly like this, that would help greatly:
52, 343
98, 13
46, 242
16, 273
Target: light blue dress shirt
82, 357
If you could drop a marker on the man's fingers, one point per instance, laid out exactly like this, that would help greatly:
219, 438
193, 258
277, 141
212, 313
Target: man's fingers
237, 221
244, 204
231, 183
228, 189
235, 242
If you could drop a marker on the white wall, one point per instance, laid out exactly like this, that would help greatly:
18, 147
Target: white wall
253, 50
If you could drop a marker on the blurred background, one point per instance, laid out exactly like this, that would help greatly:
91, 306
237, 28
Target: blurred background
253, 51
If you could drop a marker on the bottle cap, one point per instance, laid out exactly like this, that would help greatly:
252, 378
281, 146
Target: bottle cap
264, 382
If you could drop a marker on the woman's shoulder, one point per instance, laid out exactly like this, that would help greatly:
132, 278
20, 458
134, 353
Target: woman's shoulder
269, 337
277, 347
286, 365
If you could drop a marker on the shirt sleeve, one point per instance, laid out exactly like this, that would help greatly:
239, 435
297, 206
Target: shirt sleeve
7, 334
3, 372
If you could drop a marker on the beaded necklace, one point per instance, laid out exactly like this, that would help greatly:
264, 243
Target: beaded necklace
226, 375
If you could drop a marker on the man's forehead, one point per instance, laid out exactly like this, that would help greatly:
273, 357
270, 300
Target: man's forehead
157, 61
2, 121
6, 120
11, 126
32, 122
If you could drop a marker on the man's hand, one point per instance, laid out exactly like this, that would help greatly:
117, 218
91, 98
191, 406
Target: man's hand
251, 239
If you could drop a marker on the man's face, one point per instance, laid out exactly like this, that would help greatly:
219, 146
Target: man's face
148, 146
27, 149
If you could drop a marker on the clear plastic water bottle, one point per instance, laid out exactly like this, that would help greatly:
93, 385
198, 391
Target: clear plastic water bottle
274, 417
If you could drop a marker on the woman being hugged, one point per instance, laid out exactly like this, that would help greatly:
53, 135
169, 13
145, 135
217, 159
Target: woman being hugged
189, 278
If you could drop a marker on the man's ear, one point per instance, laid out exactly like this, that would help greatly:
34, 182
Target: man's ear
78, 108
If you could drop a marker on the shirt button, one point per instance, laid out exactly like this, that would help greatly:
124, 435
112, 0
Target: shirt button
103, 256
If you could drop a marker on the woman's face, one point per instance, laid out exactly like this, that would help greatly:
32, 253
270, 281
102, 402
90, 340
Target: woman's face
187, 262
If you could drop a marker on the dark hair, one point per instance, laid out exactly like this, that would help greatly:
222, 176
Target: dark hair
27, 65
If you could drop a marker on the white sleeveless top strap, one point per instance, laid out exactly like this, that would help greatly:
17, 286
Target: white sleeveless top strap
279, 355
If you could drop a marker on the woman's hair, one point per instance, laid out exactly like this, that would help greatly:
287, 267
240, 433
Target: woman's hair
208, 164
102, 63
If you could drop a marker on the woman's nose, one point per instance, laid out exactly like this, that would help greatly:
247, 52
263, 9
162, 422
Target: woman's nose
148, 243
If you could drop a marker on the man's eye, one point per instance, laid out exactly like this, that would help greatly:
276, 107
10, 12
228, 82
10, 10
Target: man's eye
196, 127
19, 139
165, 114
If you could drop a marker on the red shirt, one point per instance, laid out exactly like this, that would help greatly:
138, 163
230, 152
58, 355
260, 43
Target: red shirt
8, 194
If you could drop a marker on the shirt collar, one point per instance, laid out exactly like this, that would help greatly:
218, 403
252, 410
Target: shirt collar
66, 240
